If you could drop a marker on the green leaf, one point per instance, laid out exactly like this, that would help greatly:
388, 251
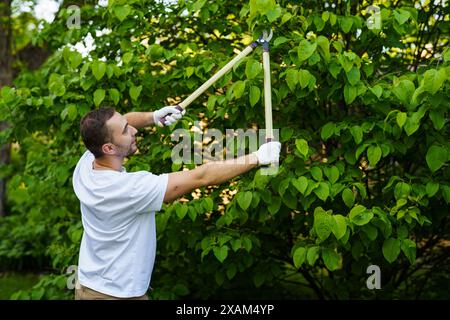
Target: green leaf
299, 257
247, 244
353, 76
244, 199
181, 211
98, 69
324, 47
274, 206
346, 24
357, 134
252, 68
122, 12
409, 249
334, 69
258, 279
75, 59
401, 119
434, 79
438, 118
377, 90
302, 146
208, 204
446, 193
57, 88
331, 259
280, 40
70, 111
360, 216
238, 89
327, 130
282, 187
350, 93
99, 95
292, 78
231, 271
411, 126
322, 191
286, 17
436, 157
413, 123
198, 5
374, 155
286, 134
109, 71
273, 14
348, 197
126, 58
339, 228
304, 78
322, 223
404, 91
255, 94
300, 184
391, 249
447, 55
236, 244
115, 95
312, 255
211, 103
305, 49
135, 92
221, 253
401, 16
319, 23
370, 231
333, 174
431, 188
219, 277
402, 190
316, 172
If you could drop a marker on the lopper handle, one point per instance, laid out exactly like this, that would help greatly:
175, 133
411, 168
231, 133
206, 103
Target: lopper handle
215, 77
267, 97
182, 105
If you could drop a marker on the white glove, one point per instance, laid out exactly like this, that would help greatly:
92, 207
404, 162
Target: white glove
172, 113
268, 153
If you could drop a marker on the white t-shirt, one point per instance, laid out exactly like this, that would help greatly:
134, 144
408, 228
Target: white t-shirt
118, 247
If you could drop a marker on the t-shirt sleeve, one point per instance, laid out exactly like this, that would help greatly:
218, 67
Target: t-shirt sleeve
148, 191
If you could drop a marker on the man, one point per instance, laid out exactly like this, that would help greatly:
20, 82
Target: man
118, 247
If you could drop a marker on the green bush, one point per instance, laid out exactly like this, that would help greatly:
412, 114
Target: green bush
363, 119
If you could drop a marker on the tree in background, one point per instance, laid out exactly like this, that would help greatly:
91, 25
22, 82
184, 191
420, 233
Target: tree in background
16, 53
363, 113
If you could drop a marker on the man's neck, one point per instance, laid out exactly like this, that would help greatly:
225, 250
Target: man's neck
108, 163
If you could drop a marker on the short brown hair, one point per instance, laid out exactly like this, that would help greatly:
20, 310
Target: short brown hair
94, 131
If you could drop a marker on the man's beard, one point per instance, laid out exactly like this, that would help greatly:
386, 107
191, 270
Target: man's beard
127, 151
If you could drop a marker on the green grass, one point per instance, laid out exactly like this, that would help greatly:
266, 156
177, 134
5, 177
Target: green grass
11, 282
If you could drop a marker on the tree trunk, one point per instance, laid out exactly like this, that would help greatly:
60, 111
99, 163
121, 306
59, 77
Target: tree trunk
5, 80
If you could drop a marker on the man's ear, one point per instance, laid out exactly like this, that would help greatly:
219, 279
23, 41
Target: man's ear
108, 148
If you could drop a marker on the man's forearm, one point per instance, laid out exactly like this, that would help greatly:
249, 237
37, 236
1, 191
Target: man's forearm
217, 172
140, 119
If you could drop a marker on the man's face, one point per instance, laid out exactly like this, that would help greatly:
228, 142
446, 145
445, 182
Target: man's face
123, 135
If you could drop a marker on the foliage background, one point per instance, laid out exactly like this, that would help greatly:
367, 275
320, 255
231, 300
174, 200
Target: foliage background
364, 175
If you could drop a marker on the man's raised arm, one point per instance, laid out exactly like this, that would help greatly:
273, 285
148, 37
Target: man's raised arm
143, 119
217, 172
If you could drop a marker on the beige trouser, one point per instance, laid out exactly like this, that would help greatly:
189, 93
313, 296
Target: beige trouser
85, 293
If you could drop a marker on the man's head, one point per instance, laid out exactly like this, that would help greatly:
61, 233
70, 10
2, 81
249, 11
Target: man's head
107, 132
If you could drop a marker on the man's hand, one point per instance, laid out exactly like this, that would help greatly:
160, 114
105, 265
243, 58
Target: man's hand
268, 153
172, 113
